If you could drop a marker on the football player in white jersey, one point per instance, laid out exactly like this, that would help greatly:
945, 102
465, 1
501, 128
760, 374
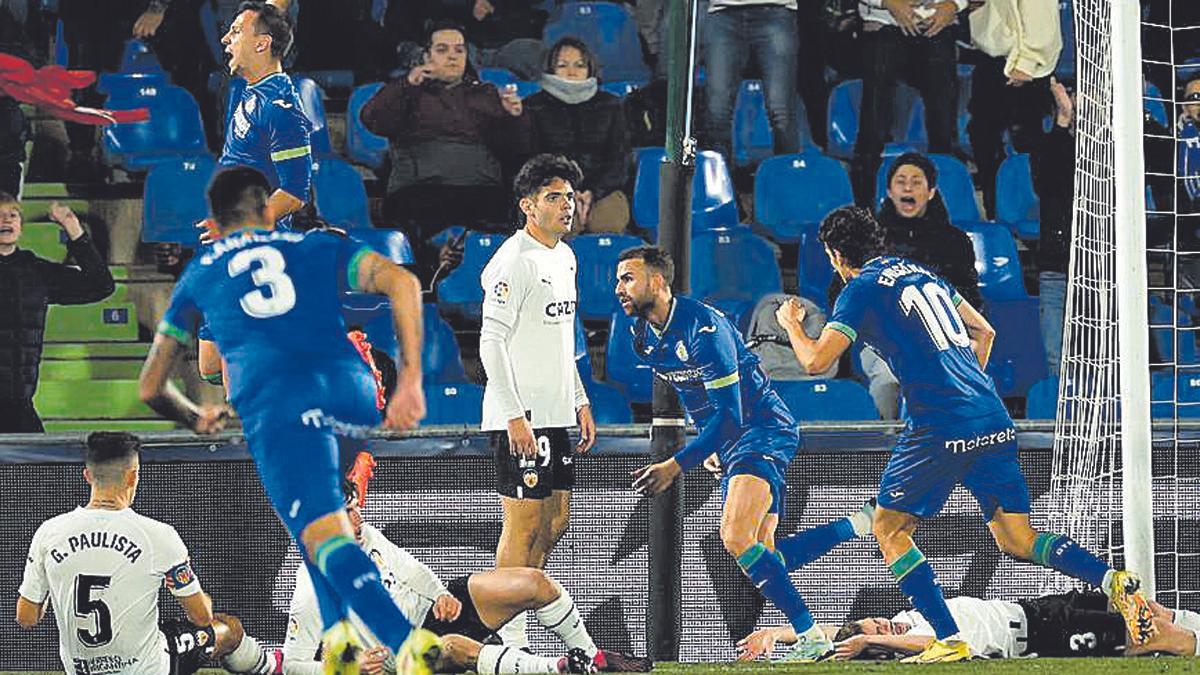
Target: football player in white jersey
102, 566
534, 393
466, 612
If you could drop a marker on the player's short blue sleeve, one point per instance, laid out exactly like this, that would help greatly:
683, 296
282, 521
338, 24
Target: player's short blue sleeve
290, 148
851, 308
183, 318
716, 352
350, 254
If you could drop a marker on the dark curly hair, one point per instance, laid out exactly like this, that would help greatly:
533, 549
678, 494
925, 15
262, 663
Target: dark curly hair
271, 21
539, 171
852, 232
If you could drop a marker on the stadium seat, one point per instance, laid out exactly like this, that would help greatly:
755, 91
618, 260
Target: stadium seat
622, 367
732, 269
608, 404
997, 261
954, 183
96, 322
90, 399
596, 257
501, 77
1065, 70
44, 239
132, 426
138, 57
441, 359
340, 194
1164, 325
453, 403
813, 271
1016, 202
312, 102
173, 130
620, 88
391, 244
363, 146
845, 101
1154, 106
127, 84
609, 30
827, 400
459, 294
174, 200
1018, 356
752, 137
794, 191
583, 360
338, 80
1042, 401
90, 369
713, 204
1175, 395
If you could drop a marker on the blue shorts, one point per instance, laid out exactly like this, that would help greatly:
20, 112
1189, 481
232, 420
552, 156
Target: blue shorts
765, 453
927, 463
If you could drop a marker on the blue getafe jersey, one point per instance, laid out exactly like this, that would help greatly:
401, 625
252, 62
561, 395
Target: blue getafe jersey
268, 130
718, 379
909, 314
272, 302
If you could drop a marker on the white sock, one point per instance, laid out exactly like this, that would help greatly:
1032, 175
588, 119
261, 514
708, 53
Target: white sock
513, 632
1187, 619
814, 635
496, 659
1197, 634
248, 657
561, 617
861, 519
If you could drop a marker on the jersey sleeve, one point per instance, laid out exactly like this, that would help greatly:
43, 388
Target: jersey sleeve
505, 286
178, 575
303, 640
290, 147
350, 254
182, 319
850, 310
714, 351
414, 573
34, 586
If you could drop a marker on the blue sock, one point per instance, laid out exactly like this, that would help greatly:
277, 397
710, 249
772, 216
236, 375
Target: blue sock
1060, 552
355, 579
767, 572
804, 547
916, 579
332, 608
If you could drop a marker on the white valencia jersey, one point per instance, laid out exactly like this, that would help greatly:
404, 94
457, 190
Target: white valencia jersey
530, 290
102, 571
413, 586
993, 628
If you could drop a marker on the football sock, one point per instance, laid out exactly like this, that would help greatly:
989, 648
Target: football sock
355, 579
1186, 619
916, 580
1060, 552
561, 617
804, 547
248, 657
766, 571
513, 633
332, 608
495, 659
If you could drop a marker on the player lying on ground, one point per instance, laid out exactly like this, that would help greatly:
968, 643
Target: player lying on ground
957, 428
1070, 624
466, 612
272, 301
102, 566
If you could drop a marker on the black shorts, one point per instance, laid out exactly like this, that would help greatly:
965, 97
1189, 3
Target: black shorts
1073, 624
552, 469
188, 646
468, 622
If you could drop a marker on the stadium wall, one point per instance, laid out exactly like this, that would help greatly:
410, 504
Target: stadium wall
434, 496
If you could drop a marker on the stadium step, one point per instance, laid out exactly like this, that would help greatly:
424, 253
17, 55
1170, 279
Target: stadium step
70, 351
90, 369
39, 209
134, 426
97, 322
90, 399
45, 191
44, 240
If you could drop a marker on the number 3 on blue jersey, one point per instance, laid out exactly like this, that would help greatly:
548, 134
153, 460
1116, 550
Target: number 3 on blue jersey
937, 312
270, 274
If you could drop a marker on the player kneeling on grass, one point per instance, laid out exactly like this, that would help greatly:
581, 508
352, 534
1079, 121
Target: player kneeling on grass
466, 612
1072, 624
102, 565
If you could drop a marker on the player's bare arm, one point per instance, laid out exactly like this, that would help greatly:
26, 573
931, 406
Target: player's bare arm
282, 203
208, 360
815, 355
29, 613
980, 331
157, 391
898, 644
197, 607
376, 274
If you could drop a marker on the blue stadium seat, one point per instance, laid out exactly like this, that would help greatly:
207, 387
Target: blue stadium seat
997, 260
363, 146
391, 244
123, 85
1019, 355
1164, 325
621, 365
752, 137
954, 183
1042, 401
620, 88
312, 102
583, 361
813, 271
1175, 396
500, 77
173, 200
608, 404
713, 204
609, 30
341, 195
794, 191
1065, 70
845, 102
1154, 106
173, 130
459, 294
1016, 202
441, 360
332, 80
138, 57
827, 400
966, 78
732, 269
525, 88
453, 403
209, 28
596, 257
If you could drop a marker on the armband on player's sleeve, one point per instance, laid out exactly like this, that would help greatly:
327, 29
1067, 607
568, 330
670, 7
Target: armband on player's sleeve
181, 579
843, 329
172, 331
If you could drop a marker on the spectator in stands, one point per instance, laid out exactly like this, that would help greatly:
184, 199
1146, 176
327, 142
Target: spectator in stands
572, 117
1188, 149
27, 285
447, 132
1021, 42
733, 31
905, 40
500, 33
1054, 180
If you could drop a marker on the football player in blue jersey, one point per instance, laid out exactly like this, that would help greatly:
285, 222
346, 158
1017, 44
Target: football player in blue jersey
957, 429
267, 128
741, 419
272, 302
